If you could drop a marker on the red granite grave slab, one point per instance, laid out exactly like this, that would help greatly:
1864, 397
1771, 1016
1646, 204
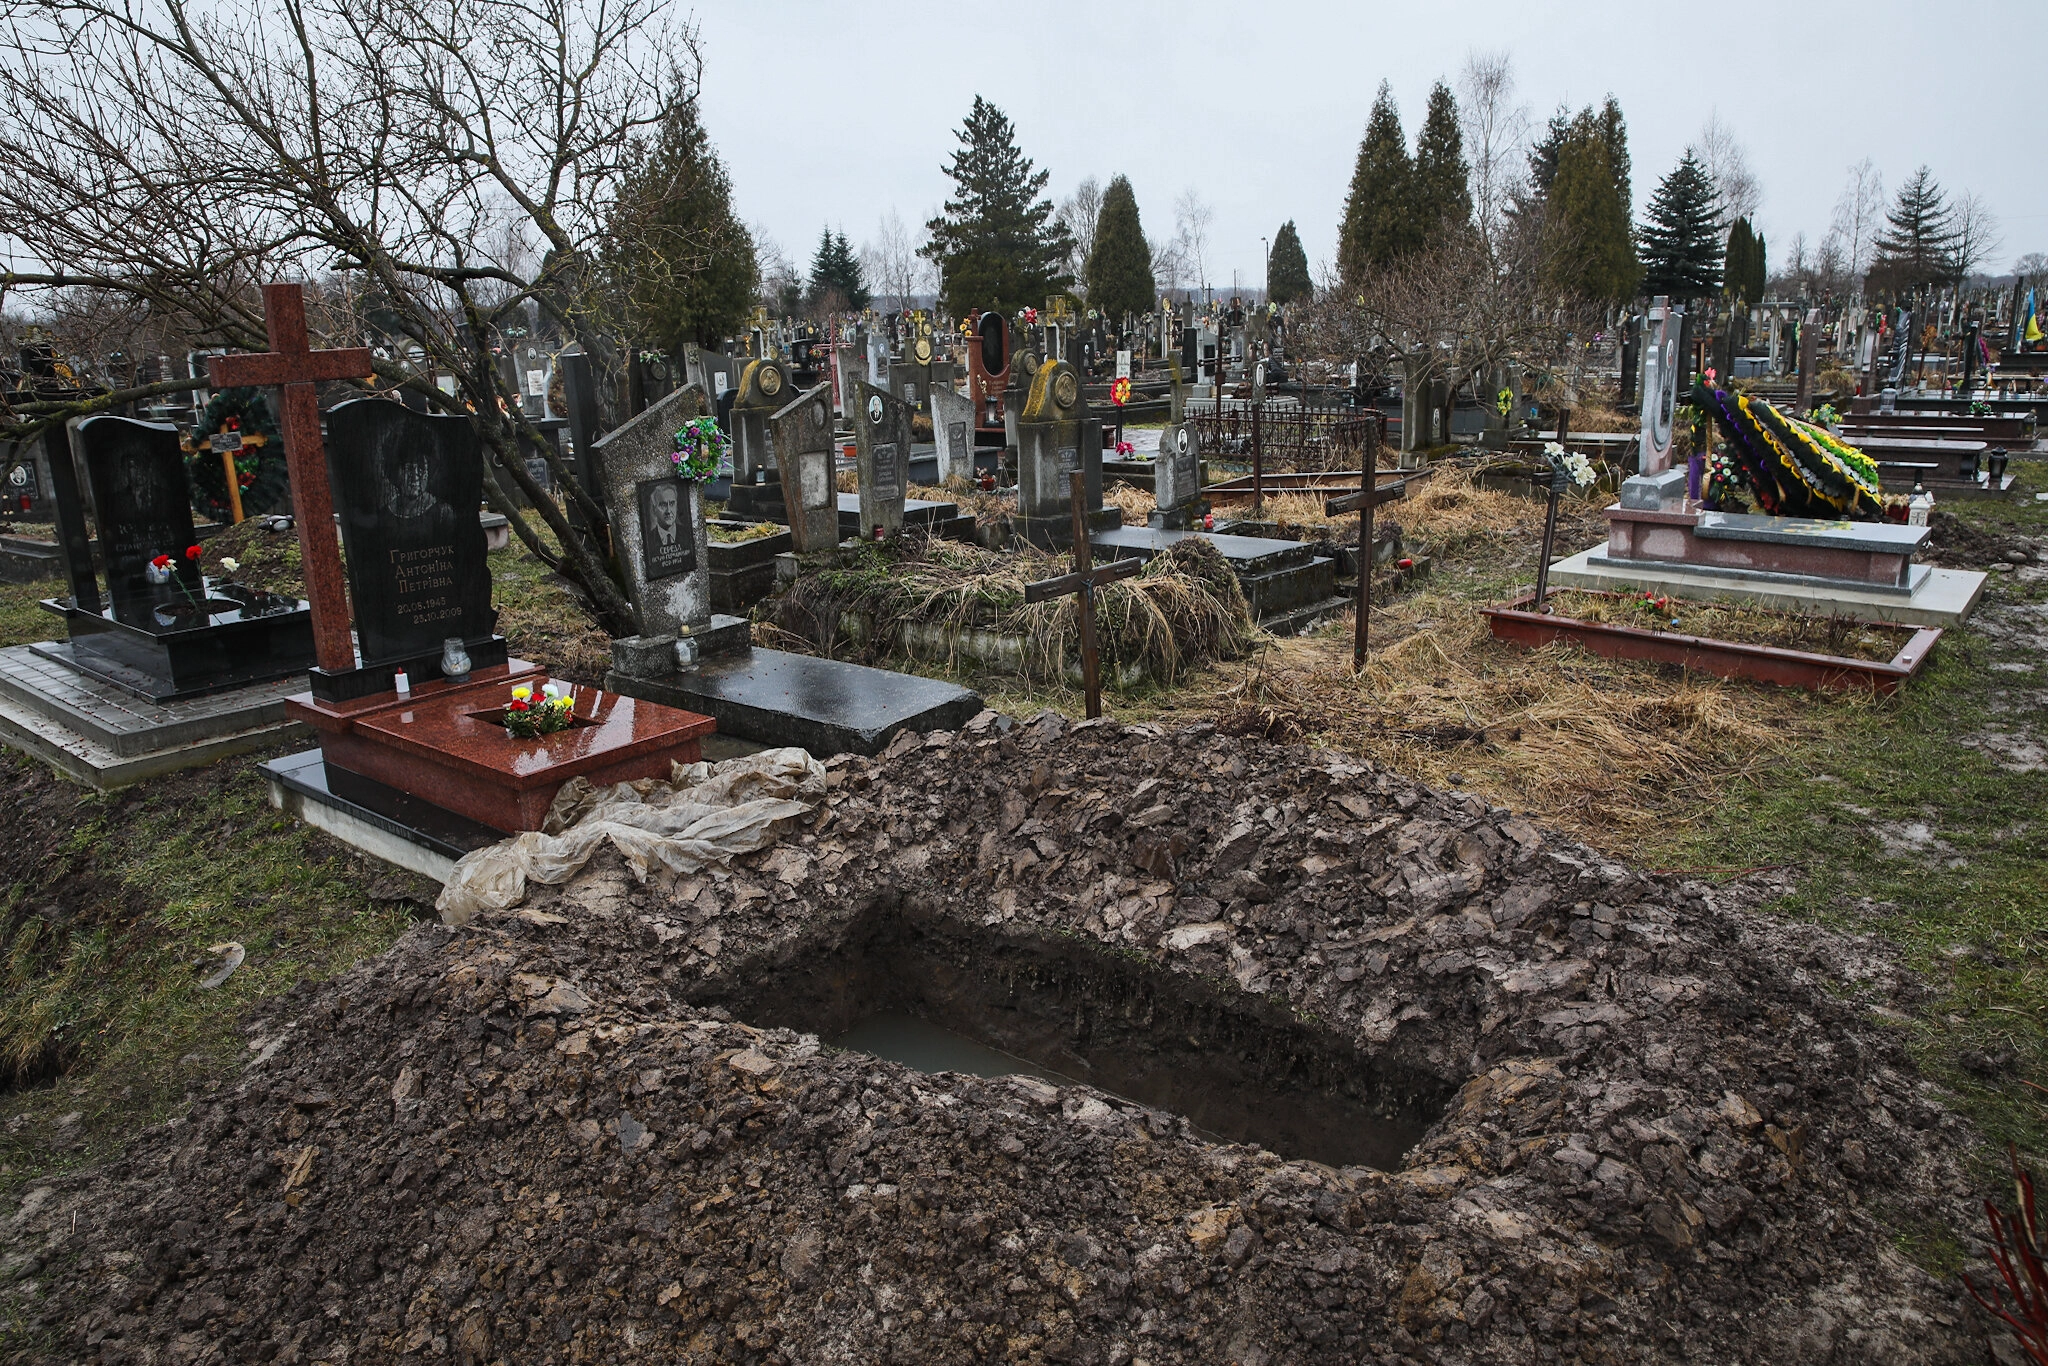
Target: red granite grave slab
447, 744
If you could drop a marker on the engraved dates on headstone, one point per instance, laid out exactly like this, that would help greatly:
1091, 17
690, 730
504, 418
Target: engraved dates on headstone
1069, 460
888, 470
408, 487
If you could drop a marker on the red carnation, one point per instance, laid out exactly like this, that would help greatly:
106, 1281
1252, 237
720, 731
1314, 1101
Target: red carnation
192, 552
162, 562
516, 705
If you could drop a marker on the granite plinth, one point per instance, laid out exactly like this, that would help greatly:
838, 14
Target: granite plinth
827, 706
23, 559
1936, 597
1872, 554
171, 647
109, 737
446, 744
382, 821
743, 572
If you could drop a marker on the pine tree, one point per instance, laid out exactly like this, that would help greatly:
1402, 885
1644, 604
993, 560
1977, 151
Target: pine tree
1440, 197
1681, 243
1759, 270
997, 244
1120, 266
681, 258
1378, 226
1287, 268
1918, 244
1589, 219
837, 280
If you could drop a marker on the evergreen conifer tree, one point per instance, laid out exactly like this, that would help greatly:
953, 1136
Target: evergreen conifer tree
837, 280
682, 259
1614, 137
1917, 247
1440, 194
1736, 267
1681, 242
997, 244
1588, 217
1378, 226
1759, 270
1120, 266
1287, 268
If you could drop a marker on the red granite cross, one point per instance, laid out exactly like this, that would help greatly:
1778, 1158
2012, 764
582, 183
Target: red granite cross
292, 365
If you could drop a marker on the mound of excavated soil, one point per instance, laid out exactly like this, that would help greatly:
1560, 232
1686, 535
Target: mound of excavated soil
595, 1129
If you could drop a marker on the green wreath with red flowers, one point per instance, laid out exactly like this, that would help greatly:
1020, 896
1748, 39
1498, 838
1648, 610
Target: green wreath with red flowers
241, 422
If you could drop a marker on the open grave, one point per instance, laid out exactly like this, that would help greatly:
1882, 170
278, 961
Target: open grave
603, 1120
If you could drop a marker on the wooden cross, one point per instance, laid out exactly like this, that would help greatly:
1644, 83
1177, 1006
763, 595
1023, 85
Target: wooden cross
1084, 580
1363, 502
292, 365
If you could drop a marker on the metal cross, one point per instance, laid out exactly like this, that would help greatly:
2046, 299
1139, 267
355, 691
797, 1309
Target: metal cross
1368, 497
292, 365
1084, 580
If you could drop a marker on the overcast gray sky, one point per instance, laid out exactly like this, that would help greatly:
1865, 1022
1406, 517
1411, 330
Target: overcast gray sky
829, 112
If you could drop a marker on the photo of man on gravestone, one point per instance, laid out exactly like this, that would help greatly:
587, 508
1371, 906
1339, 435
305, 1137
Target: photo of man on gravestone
668, 546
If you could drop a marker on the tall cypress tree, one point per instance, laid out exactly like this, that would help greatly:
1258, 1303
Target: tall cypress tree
1120, 266
682, 258
1441, 197
1378, 228
1287, 268
1681, 242
997, 244
1589, 219
1614, 137
1759, 269
1738, 267
1918, 244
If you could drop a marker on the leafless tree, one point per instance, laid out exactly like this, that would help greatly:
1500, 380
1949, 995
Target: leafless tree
1736, 191
435, 168
1976, 229
1078, 213
891, 264
1451, 311
2032, 266
1495, 130
782, 284
1858, 213
1192, 218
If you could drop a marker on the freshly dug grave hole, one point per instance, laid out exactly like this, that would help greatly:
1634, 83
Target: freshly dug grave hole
1235, 1067
1692, 1132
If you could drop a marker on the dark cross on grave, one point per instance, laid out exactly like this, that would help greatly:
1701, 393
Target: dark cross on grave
1084, 580
1558, 480
1368, 497
292, 365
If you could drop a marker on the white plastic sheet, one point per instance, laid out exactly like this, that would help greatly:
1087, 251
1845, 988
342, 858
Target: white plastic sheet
705, 814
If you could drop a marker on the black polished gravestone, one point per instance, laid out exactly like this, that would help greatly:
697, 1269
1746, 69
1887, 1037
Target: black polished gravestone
407, 487
167, 631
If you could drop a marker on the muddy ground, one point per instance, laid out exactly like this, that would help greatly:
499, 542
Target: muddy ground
1645, 1125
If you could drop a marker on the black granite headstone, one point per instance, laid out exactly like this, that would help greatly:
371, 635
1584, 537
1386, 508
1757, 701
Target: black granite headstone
408, 487
144, 506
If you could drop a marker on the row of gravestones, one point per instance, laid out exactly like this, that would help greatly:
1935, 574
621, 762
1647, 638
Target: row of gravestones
408, 486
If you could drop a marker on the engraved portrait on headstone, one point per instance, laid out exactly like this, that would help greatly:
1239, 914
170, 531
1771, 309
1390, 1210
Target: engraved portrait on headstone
667, 545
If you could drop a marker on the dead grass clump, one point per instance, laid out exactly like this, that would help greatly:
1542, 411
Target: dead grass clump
1183, 610
1842, 637
1135, 503
1604, 749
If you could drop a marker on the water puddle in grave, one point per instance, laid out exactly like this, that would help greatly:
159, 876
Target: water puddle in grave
896, 1036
